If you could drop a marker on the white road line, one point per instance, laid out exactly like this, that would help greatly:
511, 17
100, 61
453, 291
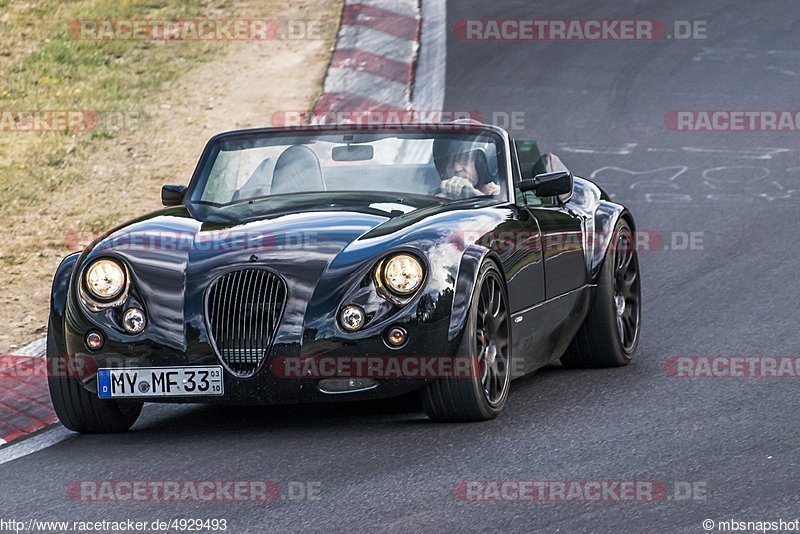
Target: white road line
754, 153
46, 438
625, 150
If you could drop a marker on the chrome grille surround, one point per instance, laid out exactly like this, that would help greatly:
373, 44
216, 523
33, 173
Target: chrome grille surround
243, 310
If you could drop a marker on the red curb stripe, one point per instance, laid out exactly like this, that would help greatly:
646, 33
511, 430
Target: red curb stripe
21, 433
18, 418
24, 397
380, 20
23, 403
28, 388
32, 407
370, 63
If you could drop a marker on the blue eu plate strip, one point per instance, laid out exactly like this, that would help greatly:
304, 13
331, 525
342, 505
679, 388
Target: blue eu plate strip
104, 383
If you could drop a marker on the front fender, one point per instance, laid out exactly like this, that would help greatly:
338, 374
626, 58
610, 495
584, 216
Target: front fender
59, 294
471, 262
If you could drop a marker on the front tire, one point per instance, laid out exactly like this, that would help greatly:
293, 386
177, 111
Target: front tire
487, 342
76, 408
610, 334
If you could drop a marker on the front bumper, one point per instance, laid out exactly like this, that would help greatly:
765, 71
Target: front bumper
269, 385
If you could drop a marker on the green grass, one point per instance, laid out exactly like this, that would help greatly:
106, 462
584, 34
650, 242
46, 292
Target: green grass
45, 68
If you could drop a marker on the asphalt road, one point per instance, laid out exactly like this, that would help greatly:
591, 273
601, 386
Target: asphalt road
601, 107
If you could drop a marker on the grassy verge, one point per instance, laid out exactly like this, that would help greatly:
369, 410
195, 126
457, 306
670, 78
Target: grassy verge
53, 183
47, 69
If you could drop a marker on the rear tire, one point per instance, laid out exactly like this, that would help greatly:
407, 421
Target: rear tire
610, 334
76, 408
487, 342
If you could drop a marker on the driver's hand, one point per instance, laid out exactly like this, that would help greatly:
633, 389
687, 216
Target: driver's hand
490, 188
459, 187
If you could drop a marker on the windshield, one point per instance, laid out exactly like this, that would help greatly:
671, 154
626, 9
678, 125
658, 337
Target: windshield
444, 165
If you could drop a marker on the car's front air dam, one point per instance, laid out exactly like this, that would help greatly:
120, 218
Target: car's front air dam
289, 375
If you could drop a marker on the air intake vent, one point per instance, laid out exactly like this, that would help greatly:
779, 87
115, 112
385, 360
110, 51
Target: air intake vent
243, 311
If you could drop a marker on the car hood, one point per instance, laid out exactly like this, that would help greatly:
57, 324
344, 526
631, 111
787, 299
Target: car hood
319, 253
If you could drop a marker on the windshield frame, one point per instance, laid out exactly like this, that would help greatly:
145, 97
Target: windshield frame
212, 148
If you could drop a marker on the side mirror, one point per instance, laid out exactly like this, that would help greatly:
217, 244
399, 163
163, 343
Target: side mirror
172, 195
549, 184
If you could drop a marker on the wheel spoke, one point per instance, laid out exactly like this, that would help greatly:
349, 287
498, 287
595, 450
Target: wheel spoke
629, 320
619, 273
501, 340
628, 258
622, 251
496, 385
501, 322
482, 366
630, 329
488, 383
628, 332
626, 292
627, 312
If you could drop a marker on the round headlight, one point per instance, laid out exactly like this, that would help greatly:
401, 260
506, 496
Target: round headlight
403, 274
105, 279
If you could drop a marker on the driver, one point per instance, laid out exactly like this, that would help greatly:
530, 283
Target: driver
463, 168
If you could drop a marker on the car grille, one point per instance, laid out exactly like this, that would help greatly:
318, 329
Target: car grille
243, 311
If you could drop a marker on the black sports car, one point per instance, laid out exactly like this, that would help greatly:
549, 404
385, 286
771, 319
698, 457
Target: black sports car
345, 263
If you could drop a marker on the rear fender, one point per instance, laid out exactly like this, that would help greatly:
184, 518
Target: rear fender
600, 215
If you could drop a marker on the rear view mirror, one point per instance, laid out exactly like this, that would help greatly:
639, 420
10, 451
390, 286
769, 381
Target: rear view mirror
172, 195
353, 153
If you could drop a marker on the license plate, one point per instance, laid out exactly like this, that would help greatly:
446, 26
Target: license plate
159, 382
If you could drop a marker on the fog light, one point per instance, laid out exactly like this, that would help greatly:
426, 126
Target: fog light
345, 385
133, 320
396, 336
94, 340
352, 317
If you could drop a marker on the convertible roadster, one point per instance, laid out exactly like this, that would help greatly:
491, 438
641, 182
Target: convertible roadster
347, 263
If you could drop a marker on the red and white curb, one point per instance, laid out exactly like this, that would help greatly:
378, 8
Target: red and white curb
372, 68
24, 398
